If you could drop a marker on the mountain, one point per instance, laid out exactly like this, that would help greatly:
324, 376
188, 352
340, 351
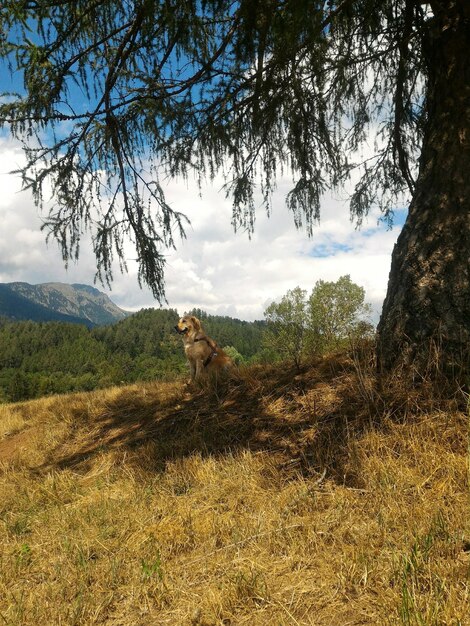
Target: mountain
59, 302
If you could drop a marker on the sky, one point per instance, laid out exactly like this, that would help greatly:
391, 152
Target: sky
214, 269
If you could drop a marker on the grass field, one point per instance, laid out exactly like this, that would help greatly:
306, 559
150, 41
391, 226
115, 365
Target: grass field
278, 499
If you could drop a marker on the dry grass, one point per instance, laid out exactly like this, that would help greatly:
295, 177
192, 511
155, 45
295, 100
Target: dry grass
279, 499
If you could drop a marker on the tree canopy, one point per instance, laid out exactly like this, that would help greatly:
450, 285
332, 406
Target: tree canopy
338, 314
110, 97
287, 325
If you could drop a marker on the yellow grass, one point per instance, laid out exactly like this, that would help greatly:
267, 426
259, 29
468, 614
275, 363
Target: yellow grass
278, 499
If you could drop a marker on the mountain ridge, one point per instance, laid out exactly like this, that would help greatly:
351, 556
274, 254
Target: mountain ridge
54, 301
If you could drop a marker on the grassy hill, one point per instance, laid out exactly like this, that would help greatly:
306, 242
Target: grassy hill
281, 498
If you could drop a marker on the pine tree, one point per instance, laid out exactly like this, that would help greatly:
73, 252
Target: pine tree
250, 88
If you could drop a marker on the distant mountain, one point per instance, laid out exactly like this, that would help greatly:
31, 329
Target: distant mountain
58, 301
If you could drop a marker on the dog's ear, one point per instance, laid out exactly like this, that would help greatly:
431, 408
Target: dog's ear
196, 322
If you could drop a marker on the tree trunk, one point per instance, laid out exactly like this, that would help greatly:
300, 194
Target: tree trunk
426, 313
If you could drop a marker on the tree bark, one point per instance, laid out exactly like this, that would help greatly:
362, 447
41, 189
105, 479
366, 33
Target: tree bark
426, 313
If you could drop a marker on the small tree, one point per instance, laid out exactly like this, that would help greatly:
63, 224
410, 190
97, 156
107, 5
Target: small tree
233, 353
287, 325
337, 314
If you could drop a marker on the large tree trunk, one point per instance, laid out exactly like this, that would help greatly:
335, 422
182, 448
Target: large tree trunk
426, 313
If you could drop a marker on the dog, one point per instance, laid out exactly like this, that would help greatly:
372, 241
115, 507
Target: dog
203, 354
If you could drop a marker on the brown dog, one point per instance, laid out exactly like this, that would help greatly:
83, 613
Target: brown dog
202, 352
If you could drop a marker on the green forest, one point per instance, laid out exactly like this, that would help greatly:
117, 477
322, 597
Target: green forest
41, 358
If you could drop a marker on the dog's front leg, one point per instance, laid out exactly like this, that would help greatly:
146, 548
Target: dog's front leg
199, 368
192, 371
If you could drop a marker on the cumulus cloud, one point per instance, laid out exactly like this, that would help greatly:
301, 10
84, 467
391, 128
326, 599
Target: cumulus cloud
214, 269
228, 273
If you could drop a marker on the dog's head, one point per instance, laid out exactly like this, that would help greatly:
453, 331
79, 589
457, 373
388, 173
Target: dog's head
188, 324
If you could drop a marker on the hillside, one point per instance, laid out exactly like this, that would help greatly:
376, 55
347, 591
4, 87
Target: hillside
280, 498
58, 301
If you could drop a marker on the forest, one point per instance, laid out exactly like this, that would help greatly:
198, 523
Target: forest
42, 358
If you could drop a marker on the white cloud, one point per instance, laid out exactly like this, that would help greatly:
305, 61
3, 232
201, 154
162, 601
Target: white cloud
214, 269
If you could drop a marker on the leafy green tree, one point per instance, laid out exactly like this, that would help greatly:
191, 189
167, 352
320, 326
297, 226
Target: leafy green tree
334, 316
247, 88
287, 325
337, 314
233, 353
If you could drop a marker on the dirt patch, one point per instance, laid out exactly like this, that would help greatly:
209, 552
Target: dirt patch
12, 446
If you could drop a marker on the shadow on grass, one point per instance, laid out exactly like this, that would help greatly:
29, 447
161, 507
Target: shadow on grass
305, 418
